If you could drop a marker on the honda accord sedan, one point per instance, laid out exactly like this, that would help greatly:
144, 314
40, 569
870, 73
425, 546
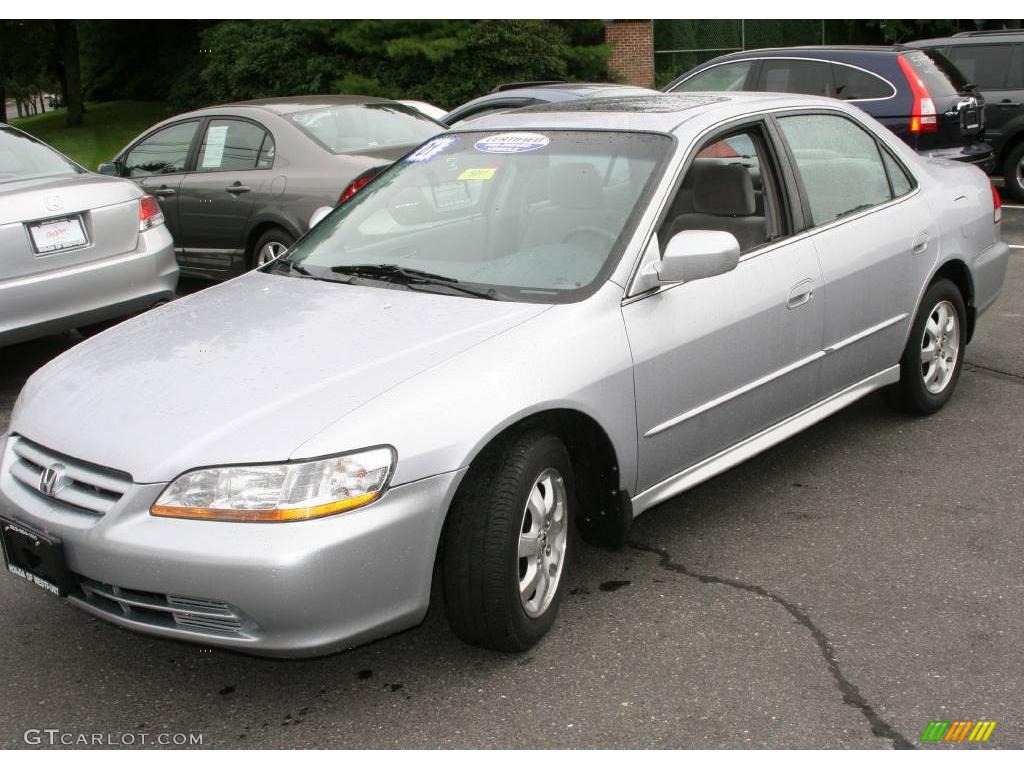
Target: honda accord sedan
542, 325
76, 248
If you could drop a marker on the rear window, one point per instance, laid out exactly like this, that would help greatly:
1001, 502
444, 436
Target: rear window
984, 65
356, 127
938, 73
24, 157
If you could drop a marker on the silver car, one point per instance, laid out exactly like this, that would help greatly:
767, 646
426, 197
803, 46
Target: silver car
76, 248
546, 324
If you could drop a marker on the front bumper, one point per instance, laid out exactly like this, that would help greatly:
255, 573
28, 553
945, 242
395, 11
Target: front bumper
978, 154
282, 589
51, 302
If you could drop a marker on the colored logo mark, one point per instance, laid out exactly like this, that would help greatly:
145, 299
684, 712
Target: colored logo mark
958, 730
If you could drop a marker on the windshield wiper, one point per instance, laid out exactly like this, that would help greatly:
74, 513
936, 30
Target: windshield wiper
408, 277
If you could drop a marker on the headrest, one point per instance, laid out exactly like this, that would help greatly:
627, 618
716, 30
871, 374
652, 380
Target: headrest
577, 185
723, 190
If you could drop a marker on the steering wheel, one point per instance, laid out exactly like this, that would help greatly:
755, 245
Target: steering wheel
591, 232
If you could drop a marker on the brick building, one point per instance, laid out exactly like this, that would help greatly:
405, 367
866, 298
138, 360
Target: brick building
632, 58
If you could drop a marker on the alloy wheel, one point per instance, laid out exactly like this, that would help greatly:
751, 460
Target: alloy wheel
940, 347
270, 251
542, 542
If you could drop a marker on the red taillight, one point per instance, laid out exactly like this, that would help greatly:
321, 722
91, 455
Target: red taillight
923, 118
150, 214
997, 206
357, 183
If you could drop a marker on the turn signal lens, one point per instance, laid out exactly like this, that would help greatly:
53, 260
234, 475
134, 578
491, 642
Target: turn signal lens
997, 206
150, 214
279, 493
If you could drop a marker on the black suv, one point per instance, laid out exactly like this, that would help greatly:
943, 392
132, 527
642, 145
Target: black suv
917, 94
994, 62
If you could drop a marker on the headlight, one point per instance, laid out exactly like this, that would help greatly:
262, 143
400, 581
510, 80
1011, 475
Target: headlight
279, 493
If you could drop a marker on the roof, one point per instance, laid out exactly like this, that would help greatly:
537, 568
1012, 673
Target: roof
887, 49
283, 105
973, 38
552, 92
658, 112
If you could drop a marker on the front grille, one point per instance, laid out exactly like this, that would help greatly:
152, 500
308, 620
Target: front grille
82, 486
169, 611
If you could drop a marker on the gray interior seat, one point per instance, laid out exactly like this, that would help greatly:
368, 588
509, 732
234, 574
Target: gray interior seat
575, 201
723, 199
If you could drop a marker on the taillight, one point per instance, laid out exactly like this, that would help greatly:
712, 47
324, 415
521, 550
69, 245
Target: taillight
997, 206
150, 214
923, 117
357, 183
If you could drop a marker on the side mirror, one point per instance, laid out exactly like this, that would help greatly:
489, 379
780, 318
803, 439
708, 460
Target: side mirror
697, 253
109, 169
319, 215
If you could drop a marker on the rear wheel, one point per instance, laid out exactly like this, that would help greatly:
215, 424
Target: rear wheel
269, 246
1013, 172
506, 543
934, 355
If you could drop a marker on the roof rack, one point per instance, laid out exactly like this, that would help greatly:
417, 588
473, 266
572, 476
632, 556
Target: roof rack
531, 84
986, 32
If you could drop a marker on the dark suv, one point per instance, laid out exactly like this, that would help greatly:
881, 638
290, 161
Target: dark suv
994, 62
917, 94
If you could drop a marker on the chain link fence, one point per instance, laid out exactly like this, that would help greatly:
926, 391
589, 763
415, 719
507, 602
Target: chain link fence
681, 44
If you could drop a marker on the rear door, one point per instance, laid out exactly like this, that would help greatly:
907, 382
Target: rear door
874, 236
232, 166
960, 110
158, 164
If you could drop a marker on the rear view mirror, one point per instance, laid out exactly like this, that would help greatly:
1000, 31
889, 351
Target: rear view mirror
109, 169
698, 253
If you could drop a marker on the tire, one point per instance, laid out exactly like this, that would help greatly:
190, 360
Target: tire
1013, 172
482, 569
929, 371
271, 240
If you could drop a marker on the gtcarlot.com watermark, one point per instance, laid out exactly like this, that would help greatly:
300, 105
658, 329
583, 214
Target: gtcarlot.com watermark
55, 737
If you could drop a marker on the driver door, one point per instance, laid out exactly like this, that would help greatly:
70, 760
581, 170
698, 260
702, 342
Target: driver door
718, 360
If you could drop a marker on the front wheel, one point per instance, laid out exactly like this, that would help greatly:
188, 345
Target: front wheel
506, 543
934, 355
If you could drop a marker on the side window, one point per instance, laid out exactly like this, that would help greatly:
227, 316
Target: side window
898, 178
839, 164
730, 186
796, 76
1015, 77
852, 83
230, 145
166, 151
984, 65
730, 76
495, 109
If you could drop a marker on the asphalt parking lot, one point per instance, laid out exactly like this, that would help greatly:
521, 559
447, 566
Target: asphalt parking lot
840, 590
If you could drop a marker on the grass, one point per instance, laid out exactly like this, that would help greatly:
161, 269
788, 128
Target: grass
106, 128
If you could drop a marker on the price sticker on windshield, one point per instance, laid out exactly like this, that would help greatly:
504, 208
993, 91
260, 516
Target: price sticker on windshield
431, 149
477, 174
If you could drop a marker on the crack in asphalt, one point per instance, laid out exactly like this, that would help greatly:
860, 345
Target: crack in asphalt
1014, 378
850, 692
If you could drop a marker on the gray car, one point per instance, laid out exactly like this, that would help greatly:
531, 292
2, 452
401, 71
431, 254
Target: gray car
546, 324
76, 248
238, 183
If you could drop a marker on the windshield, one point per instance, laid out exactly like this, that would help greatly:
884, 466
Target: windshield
23, 157
516, 216
357, 127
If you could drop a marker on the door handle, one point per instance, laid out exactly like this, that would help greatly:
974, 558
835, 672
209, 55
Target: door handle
1008, 103
164, 192
920, 244
236, 189
800, 294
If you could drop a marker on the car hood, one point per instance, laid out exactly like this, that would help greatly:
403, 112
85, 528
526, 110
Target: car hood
245, 371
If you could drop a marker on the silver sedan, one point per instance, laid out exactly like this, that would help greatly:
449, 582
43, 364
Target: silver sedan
538, 327
76, 248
